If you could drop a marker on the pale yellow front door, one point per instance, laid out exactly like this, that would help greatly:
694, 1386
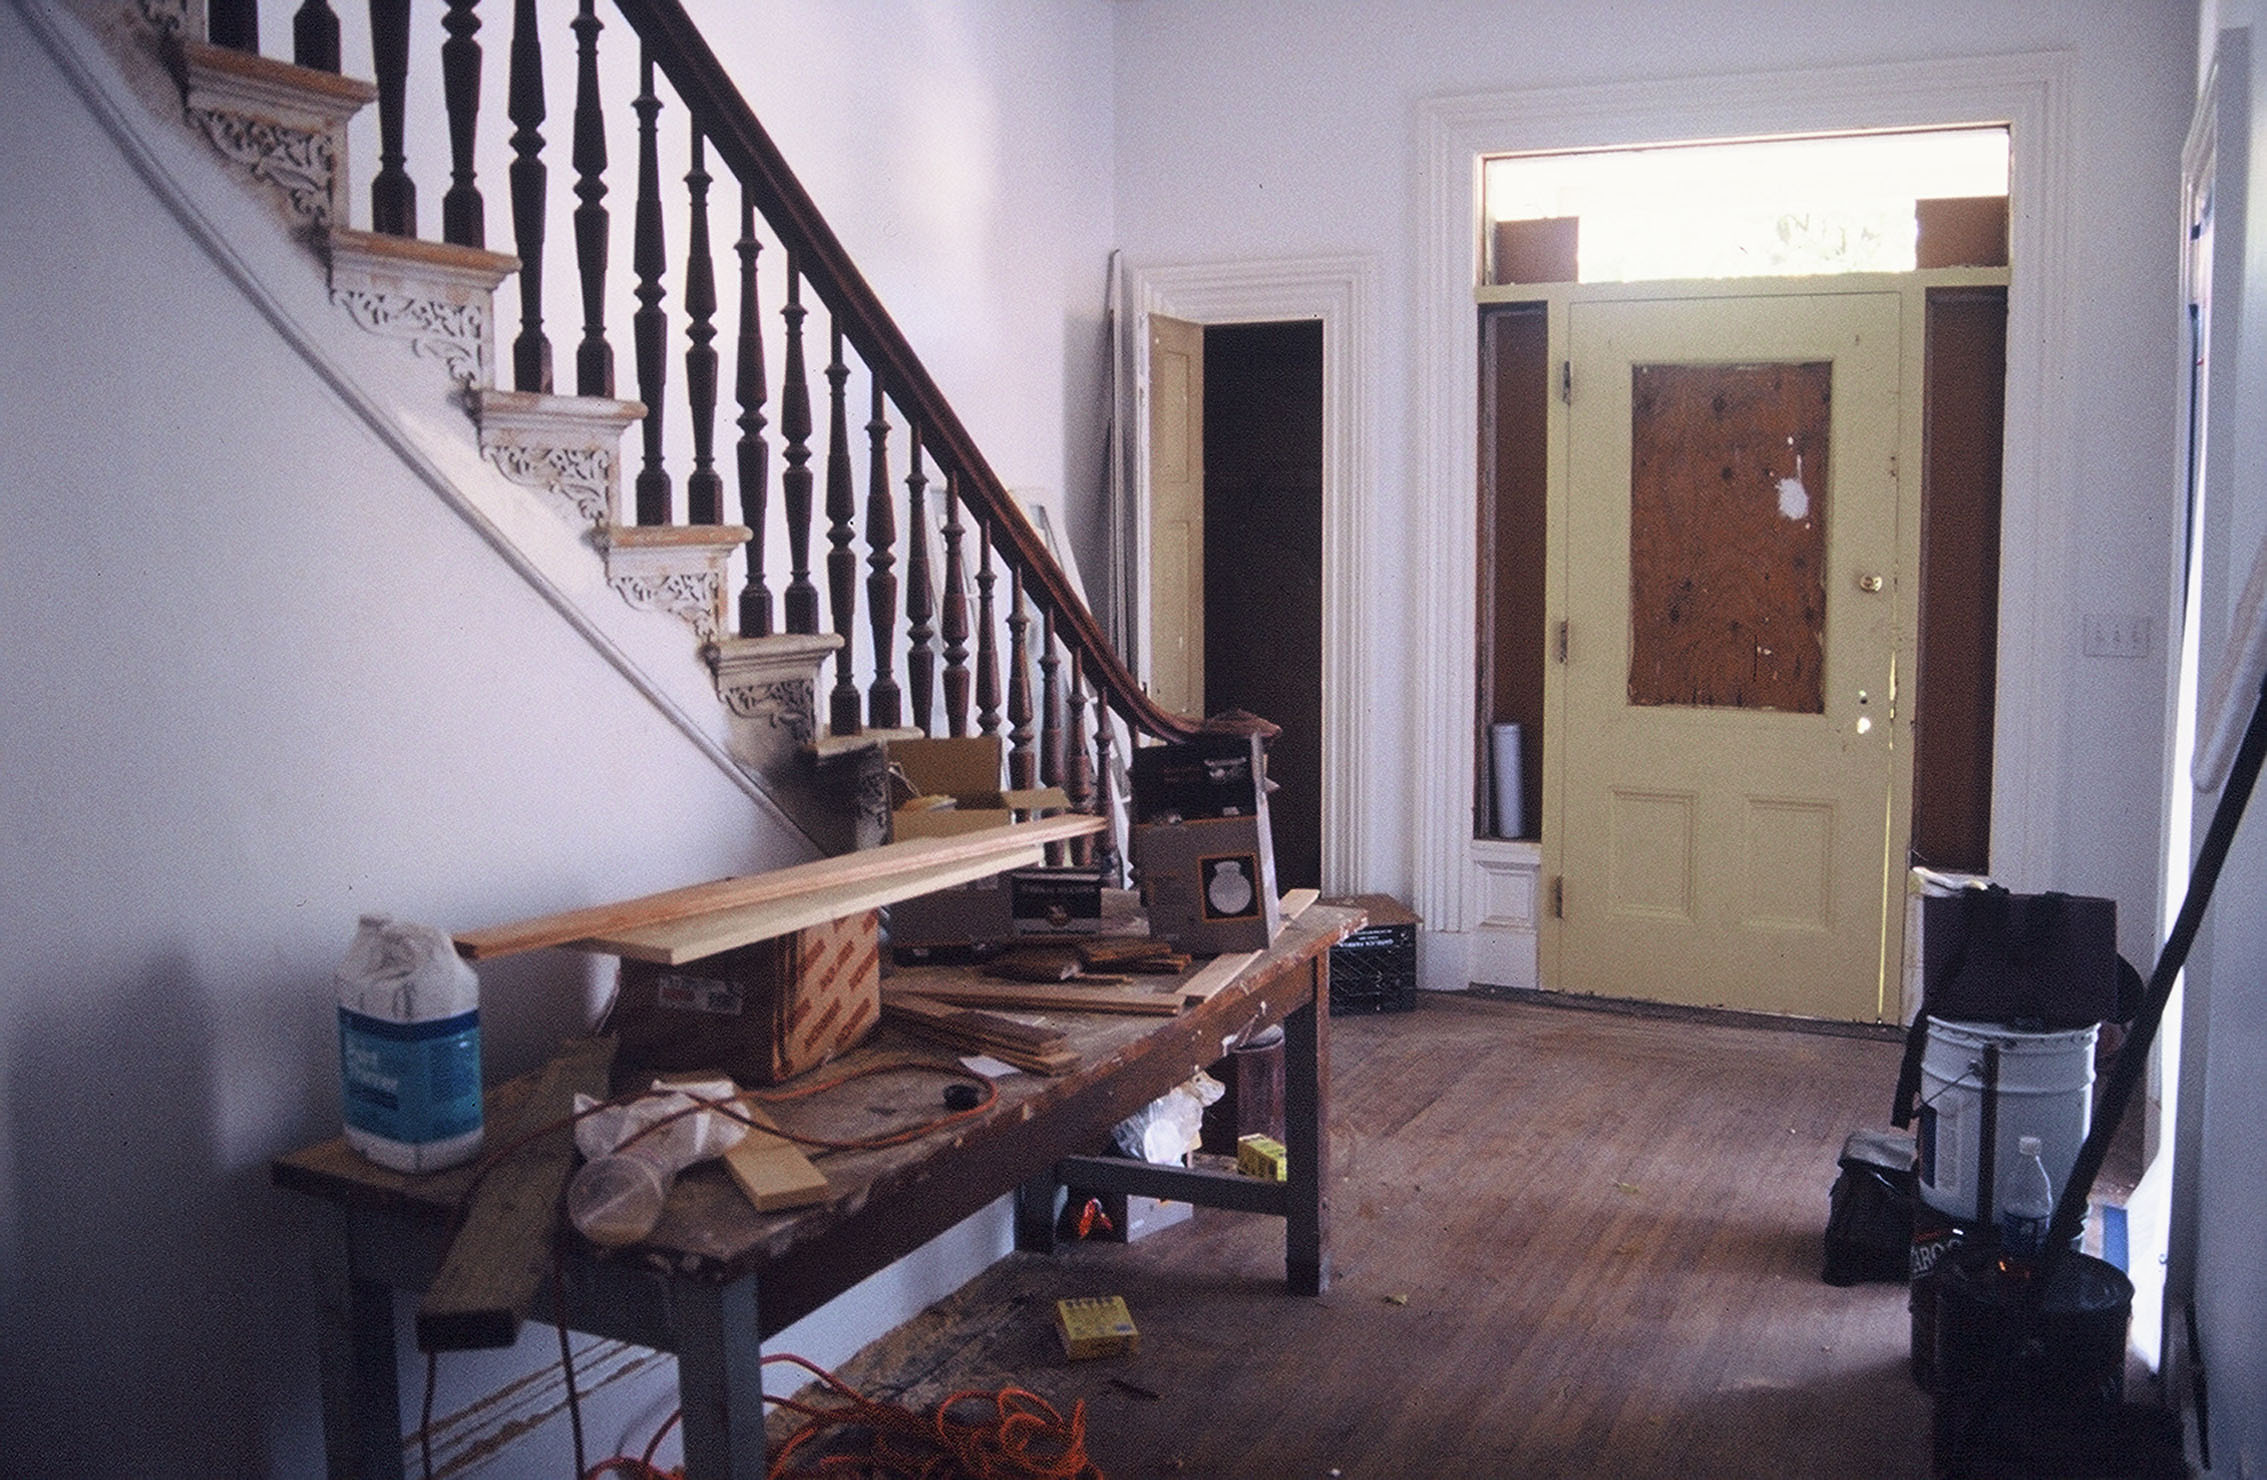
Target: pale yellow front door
1726, 732
1176, 514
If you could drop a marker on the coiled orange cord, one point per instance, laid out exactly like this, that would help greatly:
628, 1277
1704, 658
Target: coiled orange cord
1023, 1437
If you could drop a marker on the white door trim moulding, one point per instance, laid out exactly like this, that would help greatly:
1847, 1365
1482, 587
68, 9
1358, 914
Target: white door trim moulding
1340, 291
2029, 92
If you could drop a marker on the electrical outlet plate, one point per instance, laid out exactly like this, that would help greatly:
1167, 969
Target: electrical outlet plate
2108, 636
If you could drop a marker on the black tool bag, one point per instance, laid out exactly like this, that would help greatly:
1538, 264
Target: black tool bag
2037, 963
1869, 1216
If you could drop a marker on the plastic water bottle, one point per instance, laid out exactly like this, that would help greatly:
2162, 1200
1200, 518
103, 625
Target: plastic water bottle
2026, 1210
409, 1047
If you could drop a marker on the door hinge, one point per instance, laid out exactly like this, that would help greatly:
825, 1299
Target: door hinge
1561, 642
1892, 467
1566, 381
1558, 896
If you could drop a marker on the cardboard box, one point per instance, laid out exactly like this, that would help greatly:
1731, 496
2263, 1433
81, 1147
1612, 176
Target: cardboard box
761, 1013
1205, 776
1263, 1157
1056, 901
1096, 1326
956, 787
1209, 885
978, 913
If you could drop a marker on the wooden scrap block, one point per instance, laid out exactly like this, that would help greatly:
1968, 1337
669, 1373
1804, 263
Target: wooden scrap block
501, 1254
1010, 1040
774, 1172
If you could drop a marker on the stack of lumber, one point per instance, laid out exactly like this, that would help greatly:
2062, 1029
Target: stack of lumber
1140, 954
1010, 1040
1067, 996
681, 925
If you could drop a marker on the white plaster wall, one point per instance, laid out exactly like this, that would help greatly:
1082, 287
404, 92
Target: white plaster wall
1249, 130
2226, 986
259, 680
262, 680
960, 149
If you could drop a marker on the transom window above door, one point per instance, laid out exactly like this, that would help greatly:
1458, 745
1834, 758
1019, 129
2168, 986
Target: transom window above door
1883, 202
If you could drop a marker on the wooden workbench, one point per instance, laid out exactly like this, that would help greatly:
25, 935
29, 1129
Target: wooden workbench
717, 1277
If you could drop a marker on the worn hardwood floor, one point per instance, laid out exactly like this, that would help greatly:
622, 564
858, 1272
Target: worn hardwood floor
1565, 1244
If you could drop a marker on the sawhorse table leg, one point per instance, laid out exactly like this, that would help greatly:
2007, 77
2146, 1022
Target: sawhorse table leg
1306, 1139
720, 1379
362, 1437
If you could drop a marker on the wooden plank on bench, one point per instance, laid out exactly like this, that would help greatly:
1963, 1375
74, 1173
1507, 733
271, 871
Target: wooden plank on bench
888, 861
501, 1254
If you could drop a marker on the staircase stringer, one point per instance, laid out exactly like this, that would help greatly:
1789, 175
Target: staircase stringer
423, 419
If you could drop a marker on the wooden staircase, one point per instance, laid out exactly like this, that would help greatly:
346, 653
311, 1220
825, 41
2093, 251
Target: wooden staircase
1030, 664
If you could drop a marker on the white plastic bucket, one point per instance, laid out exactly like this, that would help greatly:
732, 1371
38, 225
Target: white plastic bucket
2046, 1089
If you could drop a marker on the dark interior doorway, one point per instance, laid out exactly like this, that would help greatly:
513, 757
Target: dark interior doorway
1263, 561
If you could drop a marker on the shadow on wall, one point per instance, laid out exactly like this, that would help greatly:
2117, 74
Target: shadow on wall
142, 1315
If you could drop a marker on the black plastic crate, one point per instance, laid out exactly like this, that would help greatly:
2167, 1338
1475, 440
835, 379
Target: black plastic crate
1375, 968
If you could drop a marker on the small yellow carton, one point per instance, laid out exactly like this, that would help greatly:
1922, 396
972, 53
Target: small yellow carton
1096, 1326
1263, 1157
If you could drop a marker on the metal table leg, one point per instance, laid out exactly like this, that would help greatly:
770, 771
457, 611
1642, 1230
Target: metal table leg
720, 1379
362, 1437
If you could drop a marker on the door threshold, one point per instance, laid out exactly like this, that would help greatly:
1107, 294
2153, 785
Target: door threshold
1676, 1012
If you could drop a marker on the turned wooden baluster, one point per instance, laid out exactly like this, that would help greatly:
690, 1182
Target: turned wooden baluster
523, 104
594, 357
314, 37
1050, 713
987, 636
463, 220
393, 195
955, 618
755, 456
884, 708
649, 325
704, 489
843, 706
1023, 759
1106, 784
920, 604
234, 24
801, 597
1078, 778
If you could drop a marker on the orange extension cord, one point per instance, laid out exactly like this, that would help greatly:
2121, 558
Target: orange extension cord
1021, 1437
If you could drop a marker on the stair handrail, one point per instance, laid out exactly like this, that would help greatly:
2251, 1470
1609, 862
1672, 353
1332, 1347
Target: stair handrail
714, 102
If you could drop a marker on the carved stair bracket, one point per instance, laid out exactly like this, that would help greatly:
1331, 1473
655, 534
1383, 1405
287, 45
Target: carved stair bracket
174, 17
285, 125
675, 568
436, 297
770, 686
569, 446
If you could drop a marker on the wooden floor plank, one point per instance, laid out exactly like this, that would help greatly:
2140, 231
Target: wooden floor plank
1566, 1244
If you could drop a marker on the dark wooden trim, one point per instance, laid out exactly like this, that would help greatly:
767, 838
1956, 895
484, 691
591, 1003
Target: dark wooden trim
1515, 395
1953, 701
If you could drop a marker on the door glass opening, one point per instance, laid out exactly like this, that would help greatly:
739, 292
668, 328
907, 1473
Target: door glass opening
1886, 202
1727, 535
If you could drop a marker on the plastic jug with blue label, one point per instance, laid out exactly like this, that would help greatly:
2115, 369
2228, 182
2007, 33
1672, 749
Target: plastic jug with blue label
409, 1047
